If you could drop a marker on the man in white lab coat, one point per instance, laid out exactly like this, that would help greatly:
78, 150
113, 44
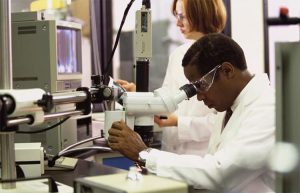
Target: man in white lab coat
244, 131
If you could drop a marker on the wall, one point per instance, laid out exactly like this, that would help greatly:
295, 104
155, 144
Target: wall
23, 5
247, 30
160, 10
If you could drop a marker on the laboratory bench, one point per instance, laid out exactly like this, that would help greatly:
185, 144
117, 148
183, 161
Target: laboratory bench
85, 168
97, 163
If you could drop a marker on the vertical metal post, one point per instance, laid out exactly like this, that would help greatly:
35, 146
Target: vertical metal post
7, 138
5, 50
8, 159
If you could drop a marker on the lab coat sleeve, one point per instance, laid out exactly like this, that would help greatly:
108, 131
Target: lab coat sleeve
236, 163
174, 77
195, 128
192, 132
195, 120
169, 73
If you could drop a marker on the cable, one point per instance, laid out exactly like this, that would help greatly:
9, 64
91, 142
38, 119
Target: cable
51, 162
79, 143
46, 129
84, 149
68, 149
118, 36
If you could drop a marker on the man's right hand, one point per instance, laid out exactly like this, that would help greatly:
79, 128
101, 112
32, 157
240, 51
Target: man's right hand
128, 86
125, 140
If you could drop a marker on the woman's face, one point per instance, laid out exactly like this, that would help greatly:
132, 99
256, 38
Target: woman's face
182, 22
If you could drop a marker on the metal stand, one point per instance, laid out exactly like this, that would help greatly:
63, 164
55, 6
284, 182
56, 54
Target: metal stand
142, 76
5, 40
7, 138
8, 159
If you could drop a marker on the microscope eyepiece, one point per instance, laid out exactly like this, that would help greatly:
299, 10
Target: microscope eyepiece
189, 89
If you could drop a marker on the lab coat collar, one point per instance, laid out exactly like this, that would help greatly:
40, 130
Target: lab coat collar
258, 83
251, 91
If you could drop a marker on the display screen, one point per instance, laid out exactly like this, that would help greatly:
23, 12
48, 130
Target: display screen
68, 51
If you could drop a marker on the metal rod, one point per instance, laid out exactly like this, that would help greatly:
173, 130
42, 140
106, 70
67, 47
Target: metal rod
7, 139
66, 98
62, 114
24, 120
5, 50
18, 121
8, 159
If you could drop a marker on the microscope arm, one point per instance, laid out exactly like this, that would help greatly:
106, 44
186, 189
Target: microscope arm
161, 101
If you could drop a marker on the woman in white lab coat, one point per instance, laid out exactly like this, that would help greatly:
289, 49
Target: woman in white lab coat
187, 131
237, 160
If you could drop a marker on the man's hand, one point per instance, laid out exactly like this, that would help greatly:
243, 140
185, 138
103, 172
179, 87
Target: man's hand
170, 121
128, 86
125, 140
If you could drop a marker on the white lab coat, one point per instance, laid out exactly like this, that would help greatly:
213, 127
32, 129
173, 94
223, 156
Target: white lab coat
194, 126
238, 156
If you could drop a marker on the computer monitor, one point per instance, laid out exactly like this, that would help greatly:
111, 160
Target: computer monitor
46, 53
68, 57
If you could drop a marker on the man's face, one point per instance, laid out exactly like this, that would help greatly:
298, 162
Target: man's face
214, 93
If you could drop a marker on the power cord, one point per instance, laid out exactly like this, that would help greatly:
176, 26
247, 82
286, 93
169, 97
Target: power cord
81, 142
118, 36
69, 150
51, 162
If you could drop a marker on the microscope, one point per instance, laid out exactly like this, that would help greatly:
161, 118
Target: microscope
139, 109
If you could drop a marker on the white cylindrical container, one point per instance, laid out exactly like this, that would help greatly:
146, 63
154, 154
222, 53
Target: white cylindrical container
110, 117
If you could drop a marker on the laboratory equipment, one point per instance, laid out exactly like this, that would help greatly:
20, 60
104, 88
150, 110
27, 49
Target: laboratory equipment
30, 158
33, 107
47, 53
6, 139
143, 54
17, 107
140, 108
20, 103
143, 46
76, 128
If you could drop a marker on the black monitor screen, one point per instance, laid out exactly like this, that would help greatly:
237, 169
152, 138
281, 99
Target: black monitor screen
68, 51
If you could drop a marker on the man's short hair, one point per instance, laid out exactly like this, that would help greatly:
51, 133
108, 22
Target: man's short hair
214, 49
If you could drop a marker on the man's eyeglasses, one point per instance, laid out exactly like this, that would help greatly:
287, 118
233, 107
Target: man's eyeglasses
179, 16
204, 84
